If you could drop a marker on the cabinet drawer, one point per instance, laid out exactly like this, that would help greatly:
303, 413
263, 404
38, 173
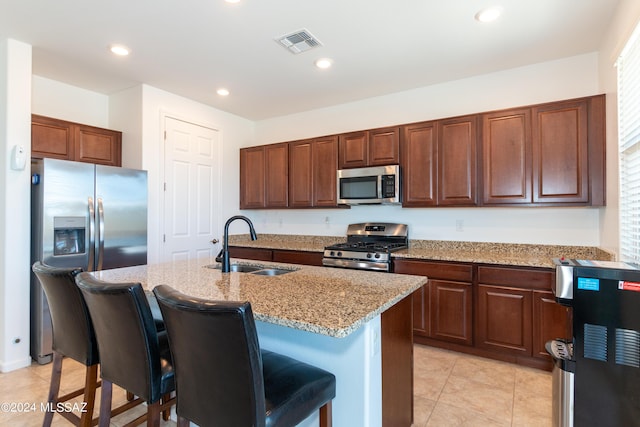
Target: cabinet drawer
297, 257
435, 270
516, 277
251, 253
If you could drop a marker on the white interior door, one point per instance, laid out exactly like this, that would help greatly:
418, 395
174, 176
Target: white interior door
191, 182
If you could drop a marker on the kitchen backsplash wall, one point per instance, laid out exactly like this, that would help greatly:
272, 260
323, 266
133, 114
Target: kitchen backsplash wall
550, 226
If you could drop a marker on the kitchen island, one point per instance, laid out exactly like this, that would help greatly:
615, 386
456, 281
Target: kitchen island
355, 324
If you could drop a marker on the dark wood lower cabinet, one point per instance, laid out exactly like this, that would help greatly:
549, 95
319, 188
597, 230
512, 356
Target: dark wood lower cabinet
501, 312
276, 255
443, 308
552, 321
451, 311
298, 257
504, 319
397, 365
250, 253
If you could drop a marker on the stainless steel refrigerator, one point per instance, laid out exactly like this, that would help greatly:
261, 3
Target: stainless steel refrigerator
82, 215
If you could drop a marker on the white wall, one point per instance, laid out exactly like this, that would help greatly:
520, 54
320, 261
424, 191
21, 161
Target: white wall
15, 129
234, 131
66, 102
562, 79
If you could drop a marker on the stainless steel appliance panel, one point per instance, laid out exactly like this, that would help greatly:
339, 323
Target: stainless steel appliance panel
121, 217
82, 215
60, 210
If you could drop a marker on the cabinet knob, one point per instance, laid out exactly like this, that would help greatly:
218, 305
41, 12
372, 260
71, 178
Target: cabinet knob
214, 241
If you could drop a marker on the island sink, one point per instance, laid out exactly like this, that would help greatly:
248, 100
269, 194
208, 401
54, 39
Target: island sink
253, 269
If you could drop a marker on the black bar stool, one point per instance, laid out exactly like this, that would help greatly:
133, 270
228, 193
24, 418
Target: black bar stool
73, 337
222, 376
133, 355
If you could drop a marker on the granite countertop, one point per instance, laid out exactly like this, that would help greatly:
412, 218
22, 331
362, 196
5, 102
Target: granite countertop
328, 301
527, 255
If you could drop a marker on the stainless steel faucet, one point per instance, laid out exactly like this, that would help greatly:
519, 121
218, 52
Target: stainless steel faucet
223, 256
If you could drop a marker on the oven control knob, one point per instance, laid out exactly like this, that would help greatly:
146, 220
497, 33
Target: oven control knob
332, 253
377, 255
339, 254
369, 255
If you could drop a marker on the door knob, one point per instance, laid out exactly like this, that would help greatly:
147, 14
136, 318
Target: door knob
214, 241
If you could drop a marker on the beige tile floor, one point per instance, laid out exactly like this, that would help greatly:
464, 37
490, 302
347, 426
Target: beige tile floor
450, 389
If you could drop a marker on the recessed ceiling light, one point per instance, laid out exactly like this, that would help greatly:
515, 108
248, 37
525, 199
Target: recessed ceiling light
324, 63
222, 92
489, 15
232, 1
120, 50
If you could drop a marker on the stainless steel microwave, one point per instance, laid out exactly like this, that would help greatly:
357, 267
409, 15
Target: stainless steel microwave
368, 186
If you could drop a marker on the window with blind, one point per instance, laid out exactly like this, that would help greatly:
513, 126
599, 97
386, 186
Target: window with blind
629, 143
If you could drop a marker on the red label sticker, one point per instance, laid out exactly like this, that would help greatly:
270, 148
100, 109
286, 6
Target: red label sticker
629, 286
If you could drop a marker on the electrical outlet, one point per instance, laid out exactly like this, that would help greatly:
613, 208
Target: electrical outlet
459, 225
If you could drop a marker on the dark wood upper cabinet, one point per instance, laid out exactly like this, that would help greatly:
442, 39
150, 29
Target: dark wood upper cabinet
252, 174
384, 146
506, 157
560, 153
419, 165
542, 155
325, 167
548, 154
354, 150
277, 175
457, 161
374, 147
312, 172
301, 173
60, 139
264, 176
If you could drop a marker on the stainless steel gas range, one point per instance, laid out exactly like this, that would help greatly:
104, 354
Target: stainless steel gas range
368, 247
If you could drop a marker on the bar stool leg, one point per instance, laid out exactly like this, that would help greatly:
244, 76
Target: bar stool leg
325, 415
90, 386
54, 388
105, 403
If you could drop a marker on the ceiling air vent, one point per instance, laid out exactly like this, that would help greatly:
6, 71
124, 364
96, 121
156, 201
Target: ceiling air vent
298, 42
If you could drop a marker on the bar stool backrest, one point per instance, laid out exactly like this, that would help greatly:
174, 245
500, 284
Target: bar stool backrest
217, 359
73, 333
126, 334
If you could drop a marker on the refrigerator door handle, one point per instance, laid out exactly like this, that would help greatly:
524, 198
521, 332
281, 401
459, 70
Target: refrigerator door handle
92, 235
100, 234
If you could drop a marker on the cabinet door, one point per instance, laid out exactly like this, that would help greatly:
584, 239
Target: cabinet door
252, 178
560, 148
277, 175
421, 305
443, 307
457, 162
353, 150
504, 319
301, 174
51, 138
550, 321
506, 157
100, 146
384, 146
325, 167
451, 311
419, 165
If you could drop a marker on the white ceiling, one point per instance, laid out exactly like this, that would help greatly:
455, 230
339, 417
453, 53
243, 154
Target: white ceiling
193, 47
